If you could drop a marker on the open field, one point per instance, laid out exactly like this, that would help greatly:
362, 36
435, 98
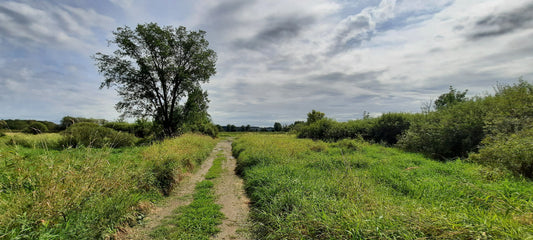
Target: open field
85, 193
304, 189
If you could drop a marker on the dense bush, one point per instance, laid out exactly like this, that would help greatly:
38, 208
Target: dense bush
448, 133
510, 110
513, 152
92, 135
36, 128
120, 126
389, 127
208, 129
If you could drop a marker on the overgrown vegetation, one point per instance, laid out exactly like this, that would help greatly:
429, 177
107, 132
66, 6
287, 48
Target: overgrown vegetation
93, 135
84, 193
457, 128
198, 220
303, 189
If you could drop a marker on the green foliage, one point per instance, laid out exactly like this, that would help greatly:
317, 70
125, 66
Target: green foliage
448, 133
450, 98
277, 127
314, 116
510, 110
68, 121
154, 68
120, 126
83, 193
355, 190
389, 127
36, 128
508, 151
23, 125
458, 129
92, 135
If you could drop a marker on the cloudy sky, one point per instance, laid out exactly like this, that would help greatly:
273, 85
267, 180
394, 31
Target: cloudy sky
277, 59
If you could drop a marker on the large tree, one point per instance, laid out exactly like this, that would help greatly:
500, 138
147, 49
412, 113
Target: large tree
154, 69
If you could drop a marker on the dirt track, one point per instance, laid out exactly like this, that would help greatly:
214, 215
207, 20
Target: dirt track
229, 190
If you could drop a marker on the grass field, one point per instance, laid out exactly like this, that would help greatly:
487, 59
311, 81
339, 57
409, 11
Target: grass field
86, 193
304, 189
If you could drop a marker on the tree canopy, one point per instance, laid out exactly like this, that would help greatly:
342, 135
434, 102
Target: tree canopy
155, 68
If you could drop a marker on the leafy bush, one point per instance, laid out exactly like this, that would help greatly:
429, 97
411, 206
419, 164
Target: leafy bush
36, 128
120, 126
389, 127
317, 129
92, 135
208, 129
510, 110
448, 133
513, 152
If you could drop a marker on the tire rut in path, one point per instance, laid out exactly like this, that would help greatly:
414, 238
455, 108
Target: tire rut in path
231, 196
181, 196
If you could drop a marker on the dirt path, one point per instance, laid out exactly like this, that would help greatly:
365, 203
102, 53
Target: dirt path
231, 196
229, 190
181, 196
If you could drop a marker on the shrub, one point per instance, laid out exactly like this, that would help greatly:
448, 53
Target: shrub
510, 109
120, 126
208, 129
448, 133
36, 128
389, 127
513, 152
317, 129
92, 135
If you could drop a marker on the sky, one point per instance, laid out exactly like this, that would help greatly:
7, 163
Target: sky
277, 59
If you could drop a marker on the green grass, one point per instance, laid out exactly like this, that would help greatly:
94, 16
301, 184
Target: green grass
304, 189
85, 193
198, 220
216, 169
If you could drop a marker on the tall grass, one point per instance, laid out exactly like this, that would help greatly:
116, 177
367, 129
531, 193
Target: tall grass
83, 193
304, 189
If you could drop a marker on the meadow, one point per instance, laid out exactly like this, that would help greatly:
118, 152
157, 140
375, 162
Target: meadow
47, 192
350, 189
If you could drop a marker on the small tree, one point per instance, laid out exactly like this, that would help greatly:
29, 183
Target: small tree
450, 98
277, 127
314, 116
154, 68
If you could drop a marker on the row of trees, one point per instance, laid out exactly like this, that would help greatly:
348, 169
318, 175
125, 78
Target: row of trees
493, 130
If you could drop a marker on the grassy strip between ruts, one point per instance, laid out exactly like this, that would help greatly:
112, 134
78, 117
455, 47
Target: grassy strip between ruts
304, 189
198, 220
85, 193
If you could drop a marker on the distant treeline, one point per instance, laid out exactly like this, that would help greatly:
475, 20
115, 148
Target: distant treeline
247, 128
494, 130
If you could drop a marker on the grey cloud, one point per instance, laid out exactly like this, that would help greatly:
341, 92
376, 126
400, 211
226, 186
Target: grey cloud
277, 30
358, 77
507, 22
354, 31
17, 17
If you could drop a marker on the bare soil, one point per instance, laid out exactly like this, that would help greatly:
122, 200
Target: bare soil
232, 198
